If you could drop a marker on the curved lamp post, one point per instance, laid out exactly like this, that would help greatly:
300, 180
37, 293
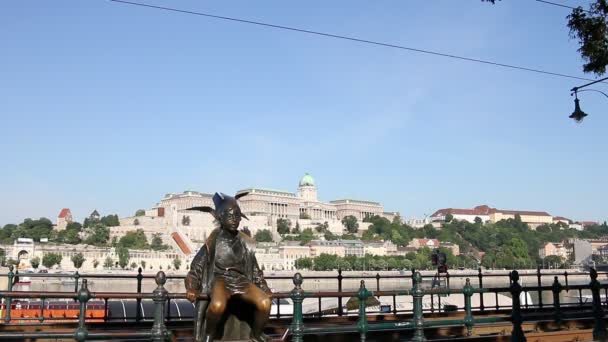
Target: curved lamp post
578, 115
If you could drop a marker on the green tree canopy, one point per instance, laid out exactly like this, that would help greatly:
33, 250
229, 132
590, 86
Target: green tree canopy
123, 256
589, 26
304, 263
98, 235
177, 263
78, 259
350, 223
134, 240
296, 229
110, 221
51, 259
140, 212
283, 226
108, 263
35, 262
157, 243
263, 235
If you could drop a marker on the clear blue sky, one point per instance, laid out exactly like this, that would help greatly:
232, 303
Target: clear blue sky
108, 106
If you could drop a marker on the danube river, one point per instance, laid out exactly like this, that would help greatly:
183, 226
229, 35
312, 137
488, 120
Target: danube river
389, 280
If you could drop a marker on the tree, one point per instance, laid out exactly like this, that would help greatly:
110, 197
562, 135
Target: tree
304, 263
351, 224
135, 240
110, 221
157, 243
51, 259
6, 234
133, 265
283, 226
330, 236
123, 256
553, 260
98, 235
34, 229
74, 226
449, 218
78, 260
296, 230
304, 216
326, 262
136, 222
143, 264
108, 263
322, 227
3, 256
69, 236
306, 236
35, 262
95, 263
590, 28
263, 235
140, 212
177, 263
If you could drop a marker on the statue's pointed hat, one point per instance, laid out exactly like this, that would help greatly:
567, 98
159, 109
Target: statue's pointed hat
222, 201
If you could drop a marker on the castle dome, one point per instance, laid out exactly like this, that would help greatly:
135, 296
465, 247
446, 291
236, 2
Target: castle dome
307, 180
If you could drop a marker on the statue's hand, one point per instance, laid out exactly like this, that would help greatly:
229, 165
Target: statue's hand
192, 295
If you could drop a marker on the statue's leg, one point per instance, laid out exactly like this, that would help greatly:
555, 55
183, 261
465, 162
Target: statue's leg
262, 303
216, 308
199, 320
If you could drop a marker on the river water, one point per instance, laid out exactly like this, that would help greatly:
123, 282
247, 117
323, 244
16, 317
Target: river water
348, 284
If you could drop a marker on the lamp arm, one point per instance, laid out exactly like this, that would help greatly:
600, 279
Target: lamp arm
597, 91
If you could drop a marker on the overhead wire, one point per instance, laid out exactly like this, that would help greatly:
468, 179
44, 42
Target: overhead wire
354, 39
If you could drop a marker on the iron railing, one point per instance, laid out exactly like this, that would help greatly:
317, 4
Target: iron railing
298, 327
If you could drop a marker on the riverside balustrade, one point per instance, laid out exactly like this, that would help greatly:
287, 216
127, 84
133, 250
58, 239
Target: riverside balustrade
299, 328
340, 279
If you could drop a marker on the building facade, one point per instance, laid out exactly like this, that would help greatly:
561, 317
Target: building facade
64, 218
262, 206
551, 248
493, 215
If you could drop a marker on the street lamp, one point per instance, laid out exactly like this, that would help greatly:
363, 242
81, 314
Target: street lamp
578, 115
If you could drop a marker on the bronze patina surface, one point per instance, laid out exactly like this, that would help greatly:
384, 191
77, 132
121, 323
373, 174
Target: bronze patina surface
226, 268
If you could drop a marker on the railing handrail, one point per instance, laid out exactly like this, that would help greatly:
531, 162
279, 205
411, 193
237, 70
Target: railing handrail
161, 297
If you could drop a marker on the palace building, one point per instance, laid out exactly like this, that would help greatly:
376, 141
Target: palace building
263, 207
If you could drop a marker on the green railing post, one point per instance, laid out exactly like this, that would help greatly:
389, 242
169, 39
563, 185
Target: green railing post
599, 327
418, 293
138, 309
297, 296
76, 277
468, 315
340, 312
83, 296
41, 318
517, 335
556, 288
362, 326
159, 330
480, 281
11, 277
540, 283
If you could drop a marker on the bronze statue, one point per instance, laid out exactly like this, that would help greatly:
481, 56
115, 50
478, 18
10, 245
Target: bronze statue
226, 269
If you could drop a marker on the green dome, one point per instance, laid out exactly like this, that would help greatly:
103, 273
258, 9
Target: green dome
307, 180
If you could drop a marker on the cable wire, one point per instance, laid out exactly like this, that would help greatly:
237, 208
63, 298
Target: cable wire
359, 40
556, 4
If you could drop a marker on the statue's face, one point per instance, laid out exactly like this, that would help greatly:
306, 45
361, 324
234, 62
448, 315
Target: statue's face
231, 218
